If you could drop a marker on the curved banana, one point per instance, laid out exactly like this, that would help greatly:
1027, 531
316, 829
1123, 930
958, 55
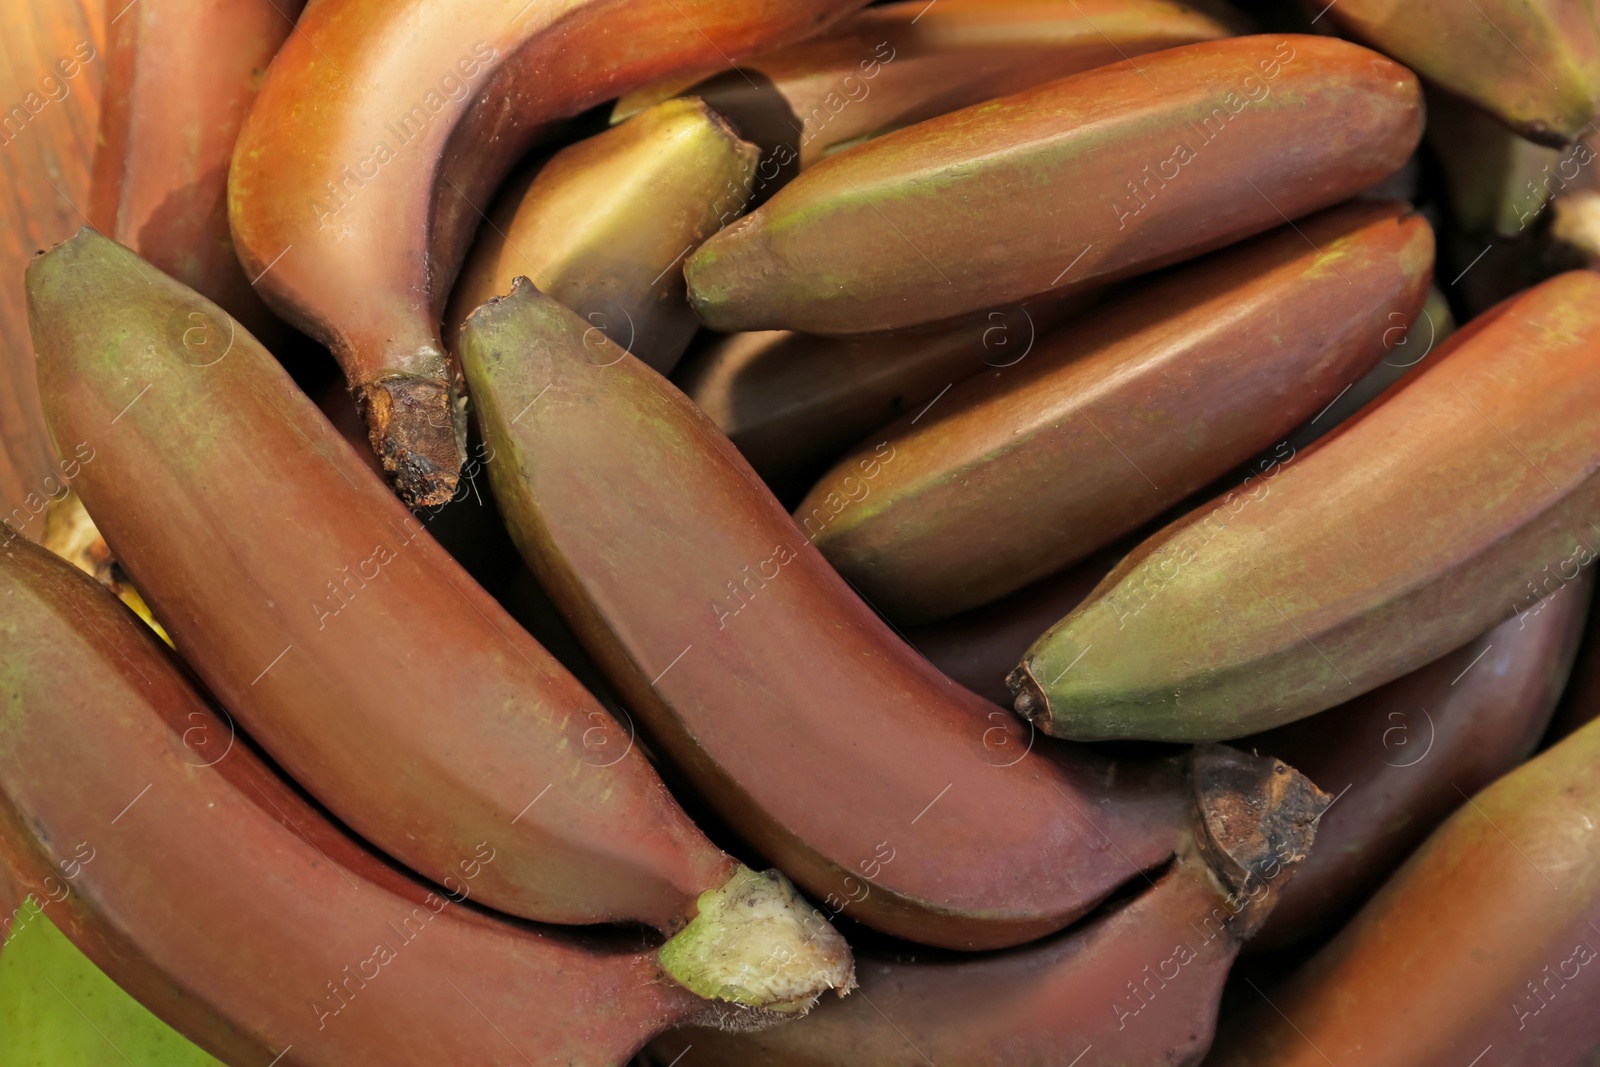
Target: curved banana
1112, 172
826, 742
1438, 512
897, 64
1125, 412
1485, 944
1404, 756
180, 77
794, 403
162, 846
379, 133
1138, 986
51, 73
348, 643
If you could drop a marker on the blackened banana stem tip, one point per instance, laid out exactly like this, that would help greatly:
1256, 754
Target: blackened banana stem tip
418, 432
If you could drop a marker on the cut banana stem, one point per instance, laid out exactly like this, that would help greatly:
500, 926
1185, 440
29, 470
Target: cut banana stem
1533, 63
1124, 413
151, 834
880, 786
378, 137
347, 642
180, 78
1459, 499
1483, 945
897, 64
603, 226
1404, 756
794, 403
1096, 176
1140, 985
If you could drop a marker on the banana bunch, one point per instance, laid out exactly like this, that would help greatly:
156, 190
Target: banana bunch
956, 533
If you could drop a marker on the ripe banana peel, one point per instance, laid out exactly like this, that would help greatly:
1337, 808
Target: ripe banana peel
1535, 64
1140, 985
50, 76
978, 648
827, 743
380, 131
347, 642
1486, 937
1092, 177
894, 65
198, 881
603, 225
1404, 756
793, 403
1462, 497
180, 78
49, 990
1121, 414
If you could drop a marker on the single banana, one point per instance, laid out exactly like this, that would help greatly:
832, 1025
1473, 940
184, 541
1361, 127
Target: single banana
347, 642
1138, 986
880, 786
152, 835
381, 130
1435, 514
1123, 413
897, 64
1096, 176
603, 225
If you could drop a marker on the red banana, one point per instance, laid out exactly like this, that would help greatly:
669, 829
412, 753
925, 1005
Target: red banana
1100, 175
156, 839
1122, 414
824, 740
1435, 514
1485, 945
180, 77
379, 133
1138, 986
896, 64
1405, 755
50, 78
347, 642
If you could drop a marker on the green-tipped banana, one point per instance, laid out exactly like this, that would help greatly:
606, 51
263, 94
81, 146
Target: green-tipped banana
1466, 494
604, 224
